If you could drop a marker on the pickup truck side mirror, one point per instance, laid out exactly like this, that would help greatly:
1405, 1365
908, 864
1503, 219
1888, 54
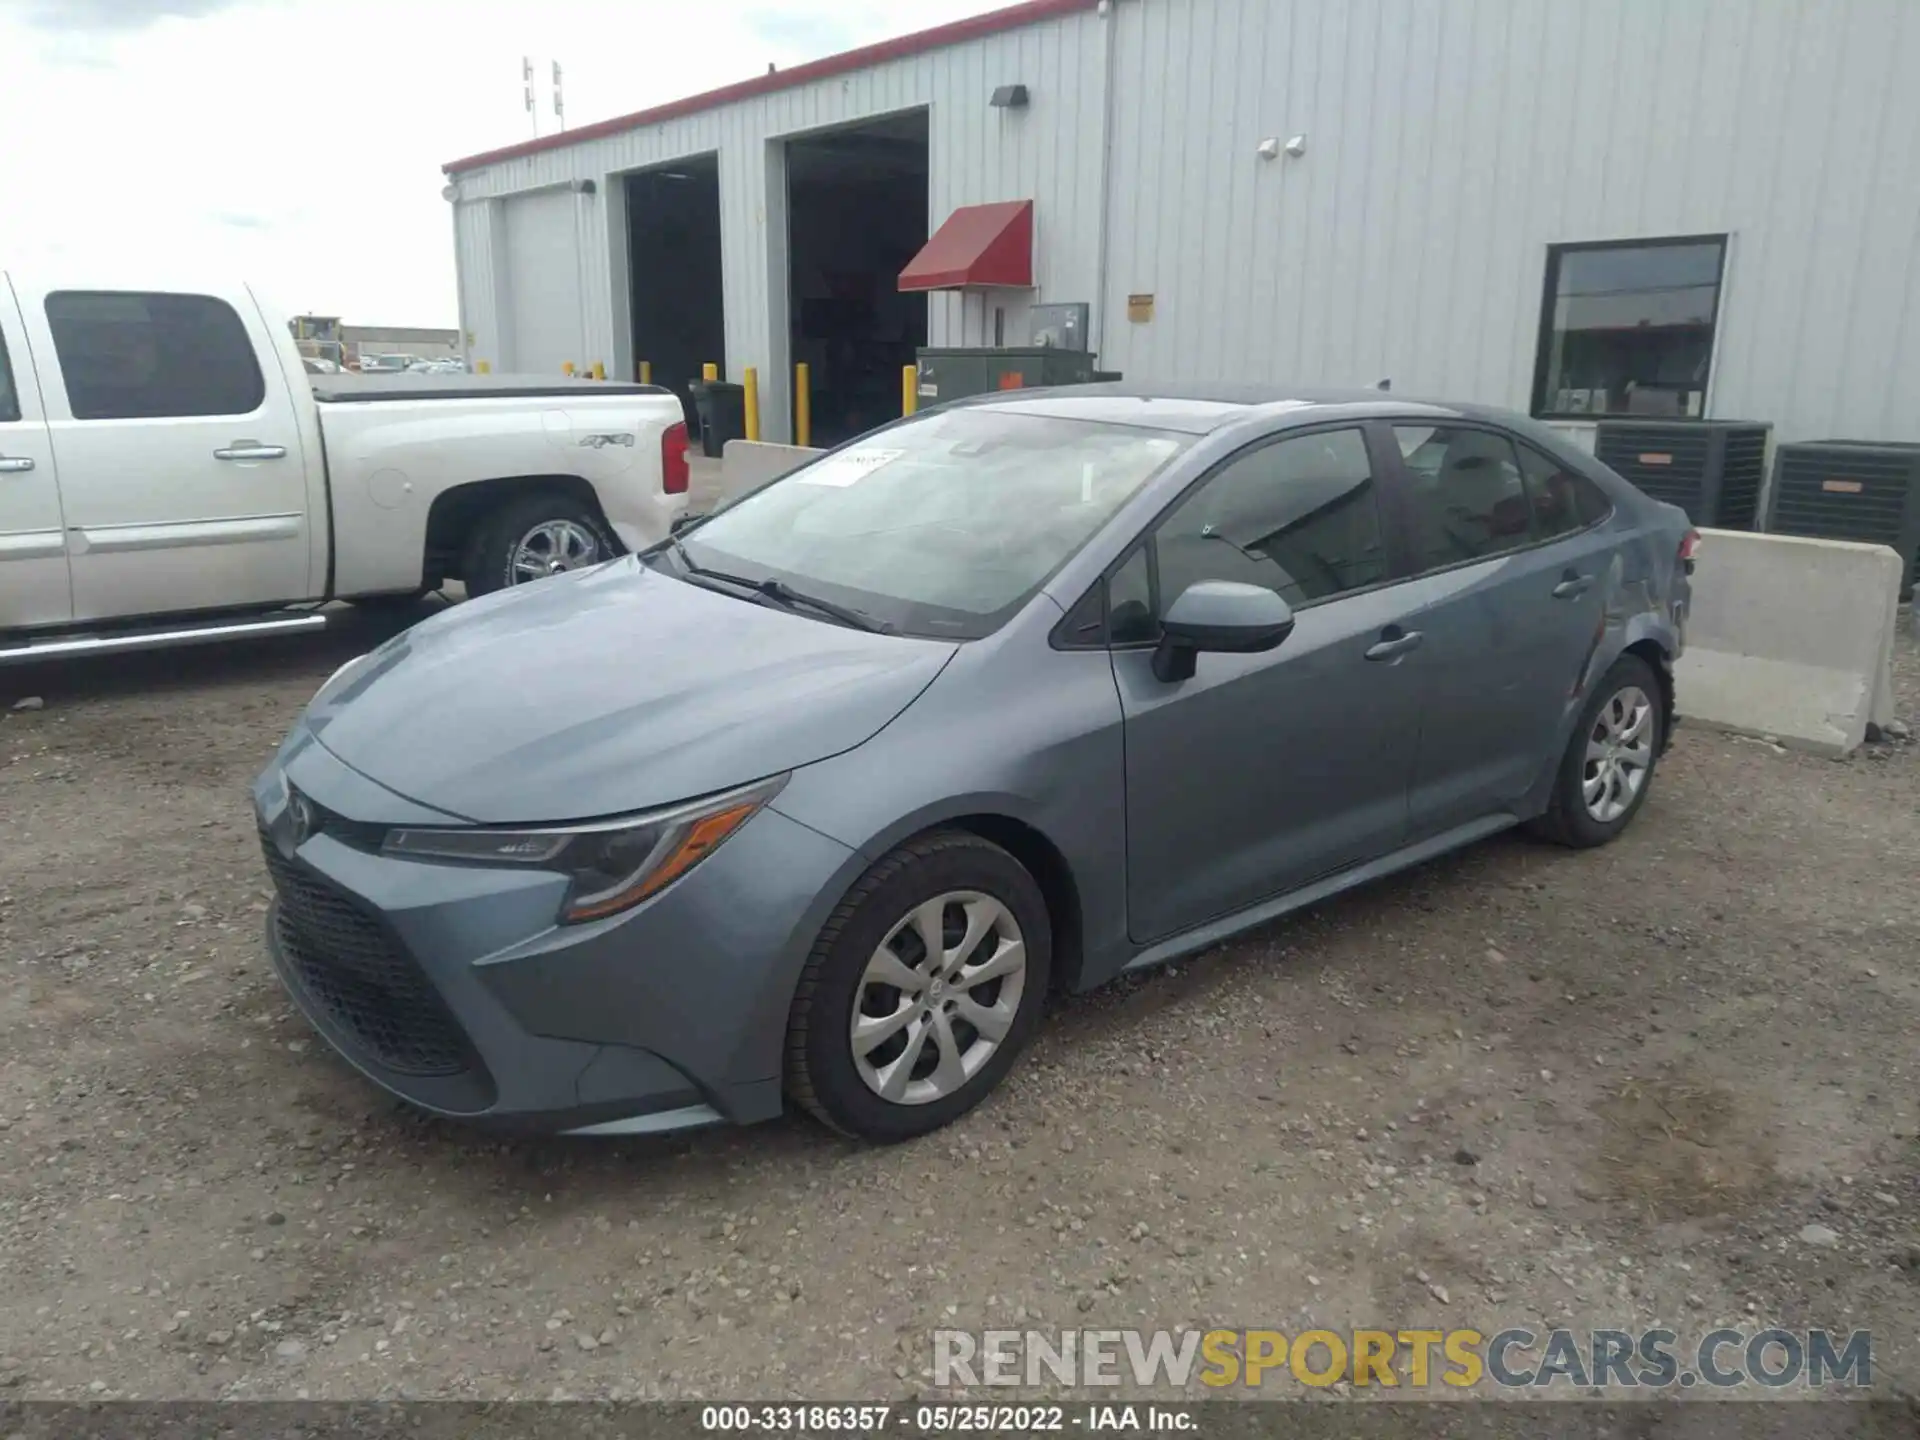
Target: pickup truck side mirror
1223, 616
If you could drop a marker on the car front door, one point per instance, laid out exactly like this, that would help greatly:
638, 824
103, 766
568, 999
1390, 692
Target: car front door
181, 470
33, 542
1513, 575
1263, 772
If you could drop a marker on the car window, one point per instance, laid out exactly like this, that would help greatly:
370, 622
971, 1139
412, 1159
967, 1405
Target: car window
1466, 500
1300, 517
127, 355
9, 397
1562, 500
944, 525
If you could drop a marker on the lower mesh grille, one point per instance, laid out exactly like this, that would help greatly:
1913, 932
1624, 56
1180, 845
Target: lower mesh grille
350, 970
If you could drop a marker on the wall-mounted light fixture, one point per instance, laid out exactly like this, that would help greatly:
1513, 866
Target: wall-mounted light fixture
1009, 97
583, 187
449, 193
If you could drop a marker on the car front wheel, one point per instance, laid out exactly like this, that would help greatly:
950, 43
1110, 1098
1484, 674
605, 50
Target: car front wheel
1608, 767
926, 983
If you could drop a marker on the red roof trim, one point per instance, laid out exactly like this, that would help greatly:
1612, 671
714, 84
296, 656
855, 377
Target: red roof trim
978, 247
1013, 17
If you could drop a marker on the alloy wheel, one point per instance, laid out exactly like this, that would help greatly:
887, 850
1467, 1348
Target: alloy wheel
1619, 754
938, 996
552, 548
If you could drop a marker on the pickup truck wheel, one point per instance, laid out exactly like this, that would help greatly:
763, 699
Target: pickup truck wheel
531, 538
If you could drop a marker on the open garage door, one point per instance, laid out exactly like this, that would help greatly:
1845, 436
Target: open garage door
856, 214
673, 248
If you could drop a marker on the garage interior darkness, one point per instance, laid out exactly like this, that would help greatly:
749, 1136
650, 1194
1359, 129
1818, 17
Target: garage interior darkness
856, 215
673, 248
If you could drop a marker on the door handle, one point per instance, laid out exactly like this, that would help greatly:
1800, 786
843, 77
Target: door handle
1394, 642
1571, 585
15, 465
250, 450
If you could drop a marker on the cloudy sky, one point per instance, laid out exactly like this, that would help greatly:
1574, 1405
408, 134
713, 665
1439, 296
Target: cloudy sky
298, 143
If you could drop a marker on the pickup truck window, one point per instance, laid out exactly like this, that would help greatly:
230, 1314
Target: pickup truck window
129, 355
9, 397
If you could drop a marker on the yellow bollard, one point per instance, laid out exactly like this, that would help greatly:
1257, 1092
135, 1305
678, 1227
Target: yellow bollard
599, 371
485, 367
566, 369
750, 382
646, 372
802, 406
709, 371
909, 389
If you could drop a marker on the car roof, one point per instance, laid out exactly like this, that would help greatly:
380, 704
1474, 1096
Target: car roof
1199, 408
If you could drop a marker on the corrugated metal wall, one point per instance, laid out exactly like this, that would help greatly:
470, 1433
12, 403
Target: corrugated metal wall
1449, 142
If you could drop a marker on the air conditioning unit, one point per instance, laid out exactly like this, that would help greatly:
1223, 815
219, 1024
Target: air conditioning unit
1850, 490
1711, 469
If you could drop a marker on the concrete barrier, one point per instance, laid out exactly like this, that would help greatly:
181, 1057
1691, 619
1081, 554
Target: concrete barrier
747, 464
1790, 638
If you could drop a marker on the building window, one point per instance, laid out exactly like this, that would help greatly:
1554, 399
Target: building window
1627, 329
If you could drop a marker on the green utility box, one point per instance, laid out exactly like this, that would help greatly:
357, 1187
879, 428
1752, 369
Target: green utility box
955, 373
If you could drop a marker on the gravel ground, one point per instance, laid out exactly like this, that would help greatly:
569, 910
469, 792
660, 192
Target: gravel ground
1518, 1086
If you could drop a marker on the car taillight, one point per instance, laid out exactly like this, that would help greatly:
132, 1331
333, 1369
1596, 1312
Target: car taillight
1689, 545
675, 473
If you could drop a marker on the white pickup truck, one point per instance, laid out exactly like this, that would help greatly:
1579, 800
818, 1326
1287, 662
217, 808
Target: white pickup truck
169, 473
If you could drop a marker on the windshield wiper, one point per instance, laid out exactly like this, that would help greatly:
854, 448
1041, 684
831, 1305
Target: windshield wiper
781, 593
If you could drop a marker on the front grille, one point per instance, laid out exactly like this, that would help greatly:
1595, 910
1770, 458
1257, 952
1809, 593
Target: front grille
352, 971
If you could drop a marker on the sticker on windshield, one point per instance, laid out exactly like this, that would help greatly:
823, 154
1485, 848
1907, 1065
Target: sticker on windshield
849, 467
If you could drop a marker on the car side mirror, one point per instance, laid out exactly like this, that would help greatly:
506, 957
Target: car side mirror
1222, 616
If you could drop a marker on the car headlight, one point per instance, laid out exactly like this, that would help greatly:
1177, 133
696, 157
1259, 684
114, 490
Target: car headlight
613, 864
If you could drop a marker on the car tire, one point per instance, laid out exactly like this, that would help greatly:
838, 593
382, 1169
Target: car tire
1596, 795
840, 1082
576, 538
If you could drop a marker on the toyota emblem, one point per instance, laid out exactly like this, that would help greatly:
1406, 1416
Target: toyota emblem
300, 817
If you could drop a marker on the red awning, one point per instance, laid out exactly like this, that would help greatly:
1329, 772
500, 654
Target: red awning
979, 245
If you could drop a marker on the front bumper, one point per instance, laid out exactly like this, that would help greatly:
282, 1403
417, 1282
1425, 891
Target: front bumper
451, 987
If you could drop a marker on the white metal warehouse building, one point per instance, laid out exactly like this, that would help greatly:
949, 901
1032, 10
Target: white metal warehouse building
1569, 207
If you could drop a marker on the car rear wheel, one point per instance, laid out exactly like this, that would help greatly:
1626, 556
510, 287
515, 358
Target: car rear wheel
532, 537
924, 986
1608, 768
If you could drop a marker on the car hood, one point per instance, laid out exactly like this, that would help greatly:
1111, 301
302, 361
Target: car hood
609, 691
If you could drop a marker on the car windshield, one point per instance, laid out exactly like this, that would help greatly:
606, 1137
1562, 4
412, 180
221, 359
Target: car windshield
945, 525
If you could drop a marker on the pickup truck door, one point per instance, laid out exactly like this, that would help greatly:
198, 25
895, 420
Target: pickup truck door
182, 472
33, 543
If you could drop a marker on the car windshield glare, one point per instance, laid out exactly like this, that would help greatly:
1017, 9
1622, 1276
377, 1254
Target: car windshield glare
945, 525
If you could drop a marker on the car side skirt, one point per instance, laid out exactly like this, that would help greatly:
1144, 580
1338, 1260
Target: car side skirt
1227, 926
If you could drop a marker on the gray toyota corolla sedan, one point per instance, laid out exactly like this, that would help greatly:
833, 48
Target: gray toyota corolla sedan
817, 802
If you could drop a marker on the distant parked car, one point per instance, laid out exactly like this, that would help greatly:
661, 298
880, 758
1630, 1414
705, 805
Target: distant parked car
316, 366
820, 797
384, 364
438, 367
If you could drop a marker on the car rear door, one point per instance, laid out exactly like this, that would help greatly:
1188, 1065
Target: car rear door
181, 467
33, 545
1513, 563
1263, 772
